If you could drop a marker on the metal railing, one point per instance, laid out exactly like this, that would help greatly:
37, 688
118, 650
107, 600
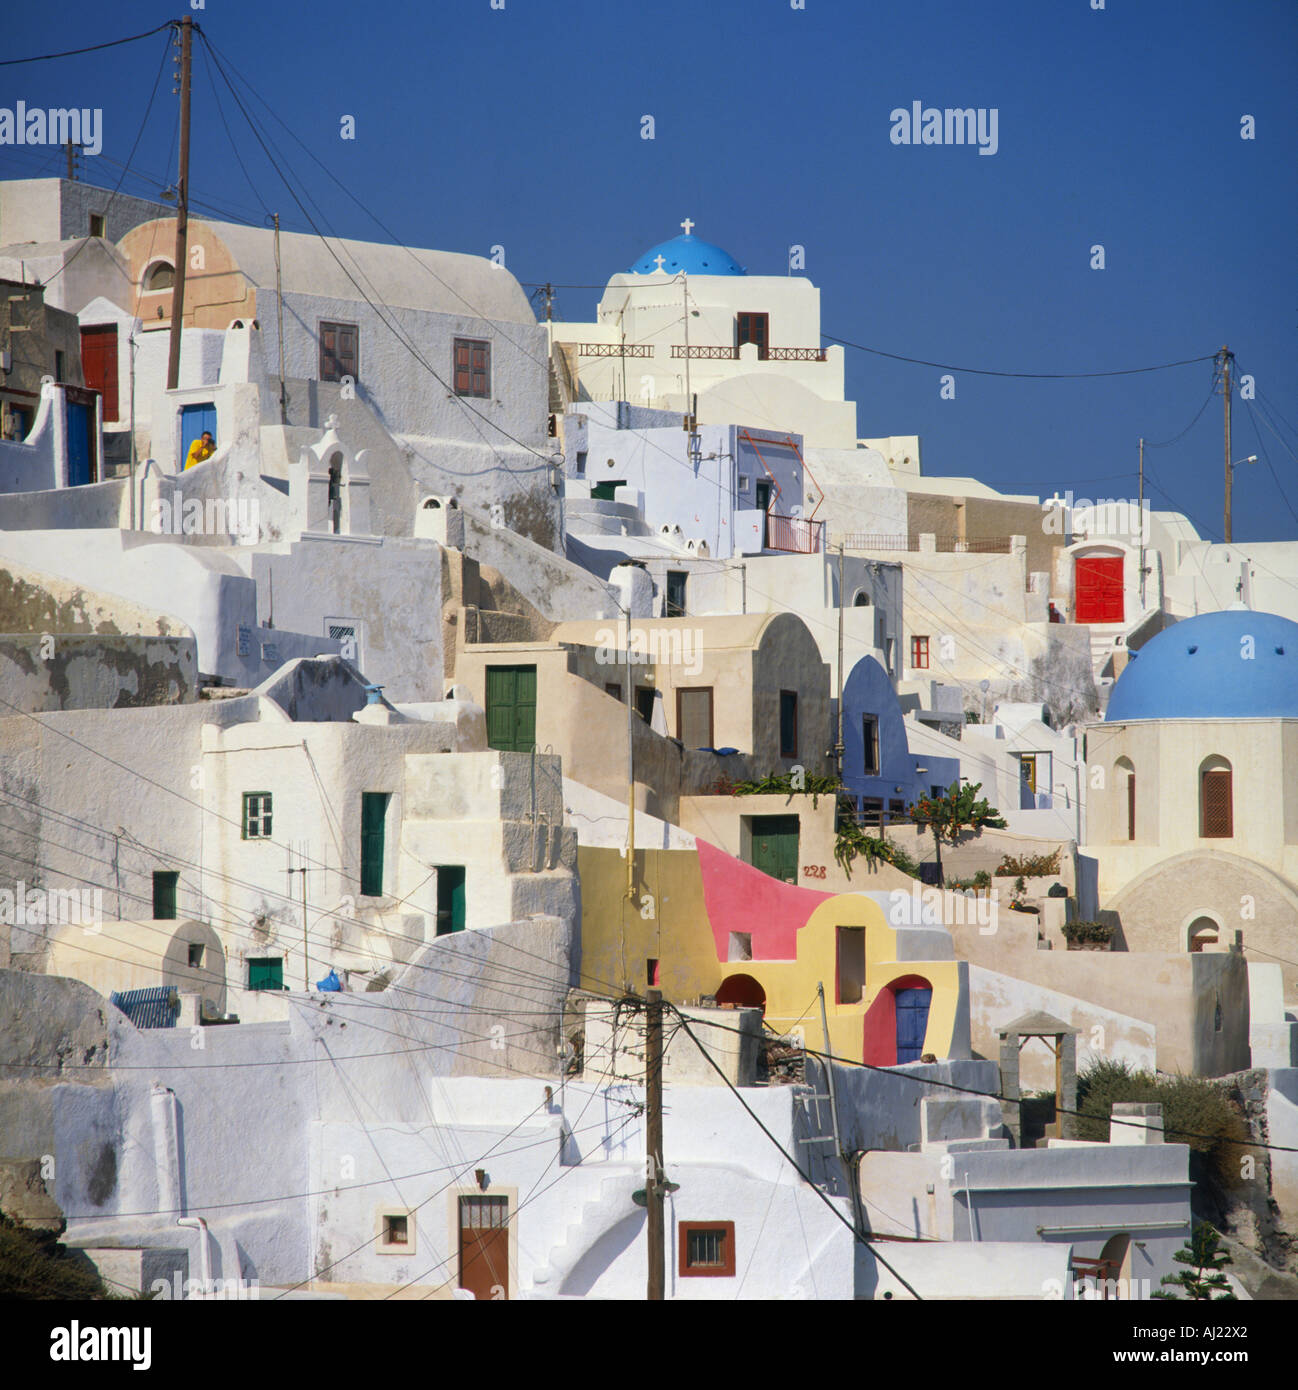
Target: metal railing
720, 352
946, 545
615, 349
794, 534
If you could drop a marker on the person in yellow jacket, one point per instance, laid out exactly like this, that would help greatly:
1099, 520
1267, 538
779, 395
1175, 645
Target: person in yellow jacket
200, 450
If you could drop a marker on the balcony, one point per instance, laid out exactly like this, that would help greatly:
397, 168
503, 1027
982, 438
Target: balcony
794, 534
711, 352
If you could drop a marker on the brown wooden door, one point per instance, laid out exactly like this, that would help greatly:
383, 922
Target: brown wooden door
484, 1246
99, 364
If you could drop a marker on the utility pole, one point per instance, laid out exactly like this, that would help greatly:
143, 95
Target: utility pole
630, 759
182, 209
549, 300
838, 742
1227, 357
654, 1185
306, 958
279, 311
685, 293
72, 161
849, 1173
1140, 507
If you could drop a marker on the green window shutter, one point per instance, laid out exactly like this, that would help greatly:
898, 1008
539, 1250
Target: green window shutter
164, 896
511, 708
266, 972
374, 809
525, 710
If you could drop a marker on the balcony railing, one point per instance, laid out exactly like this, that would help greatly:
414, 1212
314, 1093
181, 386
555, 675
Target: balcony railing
794, 534
946, 545
718, 352
615, 349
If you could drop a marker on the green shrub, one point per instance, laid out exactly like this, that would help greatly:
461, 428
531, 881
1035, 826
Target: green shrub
1195, 1112
853, 843
1089, 932
34, 1266
1032, 865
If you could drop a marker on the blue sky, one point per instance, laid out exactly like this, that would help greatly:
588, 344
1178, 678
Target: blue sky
522, 127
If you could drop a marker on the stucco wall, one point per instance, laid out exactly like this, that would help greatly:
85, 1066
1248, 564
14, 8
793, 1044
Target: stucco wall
92, 672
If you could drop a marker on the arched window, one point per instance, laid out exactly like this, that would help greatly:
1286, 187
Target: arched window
1124, 789
862, 600
1203, 934
1216, 813
161, 275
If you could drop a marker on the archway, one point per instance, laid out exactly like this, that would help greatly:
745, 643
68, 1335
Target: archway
742, 991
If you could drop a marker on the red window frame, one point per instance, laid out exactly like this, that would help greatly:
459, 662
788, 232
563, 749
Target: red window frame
919, 653
724, 1270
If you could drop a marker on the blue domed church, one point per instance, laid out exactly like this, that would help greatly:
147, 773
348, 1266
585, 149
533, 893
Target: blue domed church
1193, 814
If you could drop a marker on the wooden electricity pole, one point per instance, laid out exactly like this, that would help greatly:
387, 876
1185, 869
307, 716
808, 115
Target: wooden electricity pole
182, 210
654, 1184
1226, 357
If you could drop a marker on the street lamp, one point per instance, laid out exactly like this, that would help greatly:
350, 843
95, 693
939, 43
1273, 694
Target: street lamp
1230, 476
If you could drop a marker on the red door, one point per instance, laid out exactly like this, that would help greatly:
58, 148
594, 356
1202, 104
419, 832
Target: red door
99, 364
1098, 587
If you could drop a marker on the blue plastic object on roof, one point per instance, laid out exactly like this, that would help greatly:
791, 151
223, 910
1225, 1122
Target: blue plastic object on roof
330, 983
154, 1007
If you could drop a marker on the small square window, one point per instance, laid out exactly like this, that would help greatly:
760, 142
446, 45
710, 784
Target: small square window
97, 224
581, 462
396, 1233
266, 972
707, 1249
256, 815
396, 1230
614, 689
195, 955
472, 367
744, 480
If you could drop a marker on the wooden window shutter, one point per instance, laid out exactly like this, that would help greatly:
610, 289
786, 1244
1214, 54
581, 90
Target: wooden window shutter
1131, 805
1215, 805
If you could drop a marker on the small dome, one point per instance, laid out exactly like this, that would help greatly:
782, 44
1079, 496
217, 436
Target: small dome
1236, 664
688, 254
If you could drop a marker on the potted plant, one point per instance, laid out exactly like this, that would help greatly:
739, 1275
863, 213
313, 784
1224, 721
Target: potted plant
1088, 936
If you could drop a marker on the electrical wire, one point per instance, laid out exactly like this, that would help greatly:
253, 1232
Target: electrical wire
93, 48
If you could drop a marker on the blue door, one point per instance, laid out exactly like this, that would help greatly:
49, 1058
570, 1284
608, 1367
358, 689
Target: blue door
912, 1023
194, 421
80, 428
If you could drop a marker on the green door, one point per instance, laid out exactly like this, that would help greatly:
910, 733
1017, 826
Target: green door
775, 846
511, 708
374, 810
450, 898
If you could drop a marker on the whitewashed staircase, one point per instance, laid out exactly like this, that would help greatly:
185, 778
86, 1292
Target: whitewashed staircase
610, 1205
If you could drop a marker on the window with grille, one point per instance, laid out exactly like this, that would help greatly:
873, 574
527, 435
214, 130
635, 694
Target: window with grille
256, 815
472, 365
484, 1213
1215, 810
339, 351
707, 1249
919, 653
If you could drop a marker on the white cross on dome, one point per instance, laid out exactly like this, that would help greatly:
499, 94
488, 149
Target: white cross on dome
688, 224
660, 260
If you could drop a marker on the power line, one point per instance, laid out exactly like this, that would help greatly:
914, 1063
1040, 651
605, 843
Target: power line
94, 48
1029, 376
858, 1236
